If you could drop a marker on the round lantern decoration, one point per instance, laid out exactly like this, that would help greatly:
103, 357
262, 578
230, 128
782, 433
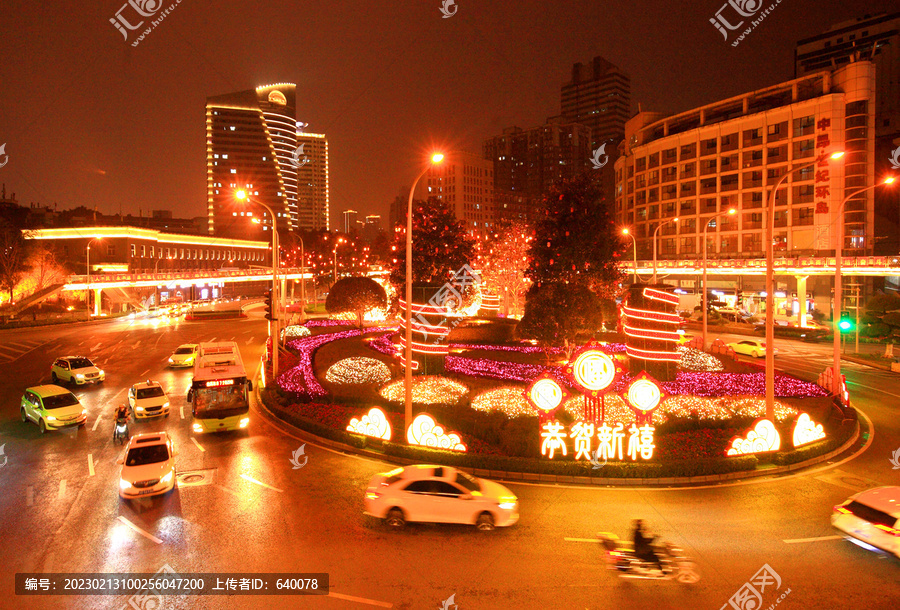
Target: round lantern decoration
545, 394
594, 370
643, 396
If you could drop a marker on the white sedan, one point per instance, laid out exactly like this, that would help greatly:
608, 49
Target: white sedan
871, 519
148, 399
184, 355
439, 494
750, 347
148, 467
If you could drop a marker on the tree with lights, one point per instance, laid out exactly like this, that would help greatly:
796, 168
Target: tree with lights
357, 295
504, 259
555, 312
440, 245
12, 258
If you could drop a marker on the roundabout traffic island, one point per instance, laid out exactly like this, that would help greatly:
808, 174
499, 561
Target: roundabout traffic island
502, 411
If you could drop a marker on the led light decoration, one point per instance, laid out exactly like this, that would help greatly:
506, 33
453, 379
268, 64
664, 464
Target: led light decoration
594, 370
426, 432
357, 371
507, 400
610, 440
807, 431
427, 390
761, 438
696, 360
493, 369
650, 323
545, 394
294, 332
375, 424
644, 395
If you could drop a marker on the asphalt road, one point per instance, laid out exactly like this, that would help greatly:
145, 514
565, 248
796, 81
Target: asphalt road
60, 511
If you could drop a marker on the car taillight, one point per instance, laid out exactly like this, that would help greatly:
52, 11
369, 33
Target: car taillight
842, 510
372, 495
763, 344
889, 530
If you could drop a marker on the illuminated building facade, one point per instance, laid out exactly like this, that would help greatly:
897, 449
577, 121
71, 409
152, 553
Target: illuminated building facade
465, 182
251, 141
313, 182
696, 165
350, 220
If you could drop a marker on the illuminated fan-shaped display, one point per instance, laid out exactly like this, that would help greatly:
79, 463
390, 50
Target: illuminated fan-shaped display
358, 370
426, 390
762, 437
807, 431
426, 432
375, 423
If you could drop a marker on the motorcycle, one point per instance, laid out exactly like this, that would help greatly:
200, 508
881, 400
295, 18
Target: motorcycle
121, 433
620, 557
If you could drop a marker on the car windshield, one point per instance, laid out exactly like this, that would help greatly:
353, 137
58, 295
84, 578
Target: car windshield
139, 456
80, 363
872, 515
60, 400
184, 350
222, 401
469, 482
150, 392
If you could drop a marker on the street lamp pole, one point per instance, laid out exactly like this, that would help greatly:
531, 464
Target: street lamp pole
655, 232
273, 327
88, 296
407, 377
703, 285
770, 283
302, 281
337, 242
625, 231
837, 387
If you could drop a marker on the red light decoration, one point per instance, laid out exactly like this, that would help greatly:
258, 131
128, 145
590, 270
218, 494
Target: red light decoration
659, 295
649, 323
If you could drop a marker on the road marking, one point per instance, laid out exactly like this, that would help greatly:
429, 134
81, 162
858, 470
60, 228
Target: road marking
96, 421
93, 349
182, 411
213, 340
62, 489
249, 341
139, 530
198, 444
29, 496
91, 463
818, 539
247, 477
144, 373
361, 600
231, 491
581, 539
137, 343
870, 387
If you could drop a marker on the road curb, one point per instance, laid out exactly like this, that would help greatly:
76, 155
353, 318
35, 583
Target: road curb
863, 361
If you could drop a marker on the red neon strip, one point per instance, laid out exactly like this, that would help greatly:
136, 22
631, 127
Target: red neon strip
418, 308
659, 295
652, 316
647, 333
415, 365
651, 355
418, 328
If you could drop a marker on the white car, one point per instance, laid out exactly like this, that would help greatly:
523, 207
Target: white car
871, 519
51, 408
184, 355
148, 399
75, 369
148, 466
750, 347
439, 494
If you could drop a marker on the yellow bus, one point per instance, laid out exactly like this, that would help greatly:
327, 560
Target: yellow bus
219, 394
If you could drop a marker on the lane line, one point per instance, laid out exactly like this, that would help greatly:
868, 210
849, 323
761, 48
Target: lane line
198, 444
581, 539
249, 341
29, 496
213, 340
247, 477
91, 464
182, 411
62, 489
136, 344
144, 373
361, 600
870, 387
139, 530
817, 539
94, 349
96, 422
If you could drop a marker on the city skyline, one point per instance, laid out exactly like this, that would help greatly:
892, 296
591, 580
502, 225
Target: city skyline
382, 114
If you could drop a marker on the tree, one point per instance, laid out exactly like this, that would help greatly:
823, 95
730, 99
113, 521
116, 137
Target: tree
12, 259
355, 294
440, 245
575, 240
504, 259
43, 269
556, 312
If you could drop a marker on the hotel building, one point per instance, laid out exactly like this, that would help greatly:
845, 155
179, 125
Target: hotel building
696, 165
465, 182
313, 182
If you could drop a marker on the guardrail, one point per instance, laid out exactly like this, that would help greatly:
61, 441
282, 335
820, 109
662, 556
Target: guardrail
877, 265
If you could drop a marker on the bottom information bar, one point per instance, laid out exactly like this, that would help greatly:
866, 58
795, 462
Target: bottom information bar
168, 582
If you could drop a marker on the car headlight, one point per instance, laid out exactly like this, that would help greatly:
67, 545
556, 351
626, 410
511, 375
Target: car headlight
84, 411
244, 422
166, 405
168, 477
507, 502
123, 484
51, 418
198, 428
171, 361
79, 376
189, 360
140, 408
102, 373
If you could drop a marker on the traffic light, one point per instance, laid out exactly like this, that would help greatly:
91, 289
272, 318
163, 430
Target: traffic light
269, 315
845, 323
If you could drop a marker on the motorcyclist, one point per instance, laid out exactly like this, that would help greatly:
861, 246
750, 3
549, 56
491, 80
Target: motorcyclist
643, 545
121, 417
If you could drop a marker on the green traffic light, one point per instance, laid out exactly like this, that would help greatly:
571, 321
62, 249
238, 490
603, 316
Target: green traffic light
845, 325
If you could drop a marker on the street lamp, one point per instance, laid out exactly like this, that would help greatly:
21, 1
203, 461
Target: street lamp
88, 296
770, 282
705, 305
338, 242
407, 412
658, 227
837, 388
625, 231
242, 195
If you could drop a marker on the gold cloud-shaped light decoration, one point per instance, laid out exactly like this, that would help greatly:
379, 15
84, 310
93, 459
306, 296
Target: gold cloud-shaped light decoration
760, 438
426, 432
375, 423
807, 431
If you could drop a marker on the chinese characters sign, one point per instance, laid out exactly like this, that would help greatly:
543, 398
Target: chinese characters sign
610, 439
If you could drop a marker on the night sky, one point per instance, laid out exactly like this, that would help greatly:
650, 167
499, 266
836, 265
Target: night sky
90, 120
